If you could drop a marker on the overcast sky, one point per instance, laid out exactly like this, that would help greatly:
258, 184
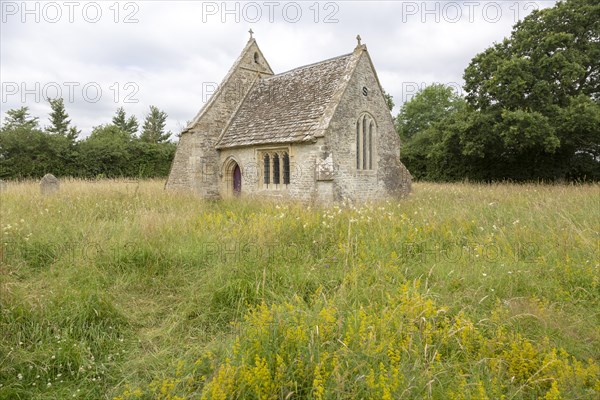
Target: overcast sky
102, 55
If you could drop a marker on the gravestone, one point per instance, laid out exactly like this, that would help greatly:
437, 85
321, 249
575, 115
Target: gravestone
49, 184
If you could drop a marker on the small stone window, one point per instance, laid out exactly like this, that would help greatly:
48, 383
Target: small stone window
256, 57
365, 131
276, 168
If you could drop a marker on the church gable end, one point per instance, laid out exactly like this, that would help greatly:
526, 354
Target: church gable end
196, 159
366, 147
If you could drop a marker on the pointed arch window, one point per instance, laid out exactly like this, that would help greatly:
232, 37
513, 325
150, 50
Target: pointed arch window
365, 133
370, 149
358, 144
365, 154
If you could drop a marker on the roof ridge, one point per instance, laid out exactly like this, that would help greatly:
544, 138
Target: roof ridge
307, 65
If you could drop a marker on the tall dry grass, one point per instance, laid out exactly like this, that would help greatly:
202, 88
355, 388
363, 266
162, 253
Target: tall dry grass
120, 289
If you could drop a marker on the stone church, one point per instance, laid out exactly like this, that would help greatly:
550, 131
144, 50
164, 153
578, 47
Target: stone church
319, 133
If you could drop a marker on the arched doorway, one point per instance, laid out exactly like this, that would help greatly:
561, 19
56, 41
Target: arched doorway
231, 178
237, 180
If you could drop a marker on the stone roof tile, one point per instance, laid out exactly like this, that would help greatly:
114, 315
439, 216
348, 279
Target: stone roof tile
288, 107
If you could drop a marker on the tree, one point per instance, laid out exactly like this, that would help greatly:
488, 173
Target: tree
532, 111
129, 125
111, 152
106, 152
526, 91
429, 106
24, 153
427, 125
153, 130
60, 124
20, 118
151, 159
23, 146
28, 152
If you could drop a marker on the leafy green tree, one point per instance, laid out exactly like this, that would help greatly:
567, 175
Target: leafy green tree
24, 152
153, 130
428, 124
106, 152
20, 117
429, 106
28, 152
60, 124
151, 159
62, 139
129, 125
532, 106
111, 152
529, 91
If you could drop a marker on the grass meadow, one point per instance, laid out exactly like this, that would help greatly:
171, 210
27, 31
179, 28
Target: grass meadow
120, 290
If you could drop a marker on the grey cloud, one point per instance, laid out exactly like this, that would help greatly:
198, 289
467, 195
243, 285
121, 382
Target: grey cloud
170, 52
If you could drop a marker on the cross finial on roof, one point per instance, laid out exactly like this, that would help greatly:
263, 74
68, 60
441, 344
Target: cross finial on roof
250, 32
358, 39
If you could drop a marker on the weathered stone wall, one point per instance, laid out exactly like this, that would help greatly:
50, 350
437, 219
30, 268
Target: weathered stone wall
302, 173
196, 161
388, 178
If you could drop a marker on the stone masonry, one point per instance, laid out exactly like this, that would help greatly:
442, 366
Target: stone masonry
320, 133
